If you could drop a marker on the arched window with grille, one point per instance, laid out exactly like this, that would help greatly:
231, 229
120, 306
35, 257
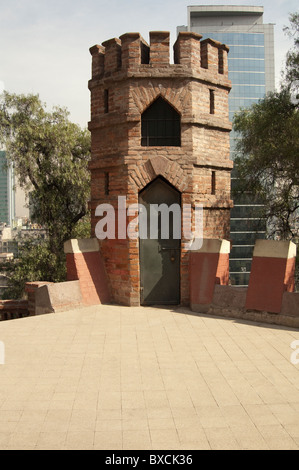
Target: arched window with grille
160, 125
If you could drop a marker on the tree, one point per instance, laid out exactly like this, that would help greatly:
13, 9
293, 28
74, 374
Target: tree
50, 155
35, 263
291, 73
50, 158
267, 162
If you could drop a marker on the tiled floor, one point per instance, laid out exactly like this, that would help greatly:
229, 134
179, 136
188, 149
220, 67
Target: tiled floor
110, 377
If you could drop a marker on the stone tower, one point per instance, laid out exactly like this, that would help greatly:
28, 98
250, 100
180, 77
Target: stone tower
160, 132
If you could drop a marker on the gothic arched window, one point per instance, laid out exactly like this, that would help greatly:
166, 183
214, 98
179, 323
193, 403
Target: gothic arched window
160, 125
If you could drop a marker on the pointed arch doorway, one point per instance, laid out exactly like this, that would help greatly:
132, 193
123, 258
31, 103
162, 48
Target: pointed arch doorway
160, 248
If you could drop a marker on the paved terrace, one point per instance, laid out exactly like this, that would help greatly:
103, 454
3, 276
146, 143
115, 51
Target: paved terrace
110, 377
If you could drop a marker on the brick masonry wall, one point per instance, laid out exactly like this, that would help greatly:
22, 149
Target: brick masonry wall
88, 269
127, 76
272, 274
30, 290
12, 309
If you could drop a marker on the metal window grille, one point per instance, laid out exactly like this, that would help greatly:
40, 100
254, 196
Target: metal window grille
160, 125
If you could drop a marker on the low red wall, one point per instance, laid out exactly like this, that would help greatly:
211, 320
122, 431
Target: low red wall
10, 309
84, 263
207, 267
272, 274
88, 268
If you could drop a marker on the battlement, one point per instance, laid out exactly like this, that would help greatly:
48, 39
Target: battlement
158, 129
131, 51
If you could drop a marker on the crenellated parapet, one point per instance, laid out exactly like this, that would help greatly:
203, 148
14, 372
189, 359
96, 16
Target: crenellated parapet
154, 118
131, 52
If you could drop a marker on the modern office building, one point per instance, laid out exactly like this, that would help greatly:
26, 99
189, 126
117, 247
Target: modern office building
7, 196
13, 204
251, 70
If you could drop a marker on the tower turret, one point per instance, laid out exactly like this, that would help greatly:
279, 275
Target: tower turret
160, 132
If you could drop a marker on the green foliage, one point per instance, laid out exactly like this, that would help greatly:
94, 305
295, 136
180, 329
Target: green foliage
50, 158
36, 262
291, 73
83, 228
267, 162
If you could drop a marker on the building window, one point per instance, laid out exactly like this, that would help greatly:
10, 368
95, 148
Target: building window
220, 61
160, 125
213, 182
106, 101
106, 183
212, 102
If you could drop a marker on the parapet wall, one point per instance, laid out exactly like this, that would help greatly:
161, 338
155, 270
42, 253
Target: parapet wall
12, 309
128, 77
210, 292
230, 302
270, 296
131, 51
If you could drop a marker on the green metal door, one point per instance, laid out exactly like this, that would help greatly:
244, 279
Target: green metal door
160, 251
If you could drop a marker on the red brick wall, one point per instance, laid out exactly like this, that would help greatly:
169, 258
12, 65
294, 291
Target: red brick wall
207, 267
89, 269
11, 309
135, 74
272, 274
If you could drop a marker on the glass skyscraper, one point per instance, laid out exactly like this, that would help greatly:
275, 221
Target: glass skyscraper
251, 70
7, 198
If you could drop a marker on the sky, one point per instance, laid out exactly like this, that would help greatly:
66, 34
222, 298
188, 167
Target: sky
44, 45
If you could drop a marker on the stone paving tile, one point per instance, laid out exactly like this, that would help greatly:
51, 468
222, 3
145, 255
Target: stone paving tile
118, 378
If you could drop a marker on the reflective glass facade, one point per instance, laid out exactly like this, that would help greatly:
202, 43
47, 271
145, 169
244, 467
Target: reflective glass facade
246, 64
6, 191
251, 71
3, 190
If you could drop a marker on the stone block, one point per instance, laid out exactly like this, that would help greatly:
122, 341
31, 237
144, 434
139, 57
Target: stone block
85, 263
57, 297
272, 274
208, 266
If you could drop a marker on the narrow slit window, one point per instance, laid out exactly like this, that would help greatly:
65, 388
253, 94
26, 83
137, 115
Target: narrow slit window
212, 102
213, 182
106, 183
106, 101
220, 61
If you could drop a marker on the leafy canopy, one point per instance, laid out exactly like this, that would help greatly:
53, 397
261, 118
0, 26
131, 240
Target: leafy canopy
291, 73
50, 157
267, 162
